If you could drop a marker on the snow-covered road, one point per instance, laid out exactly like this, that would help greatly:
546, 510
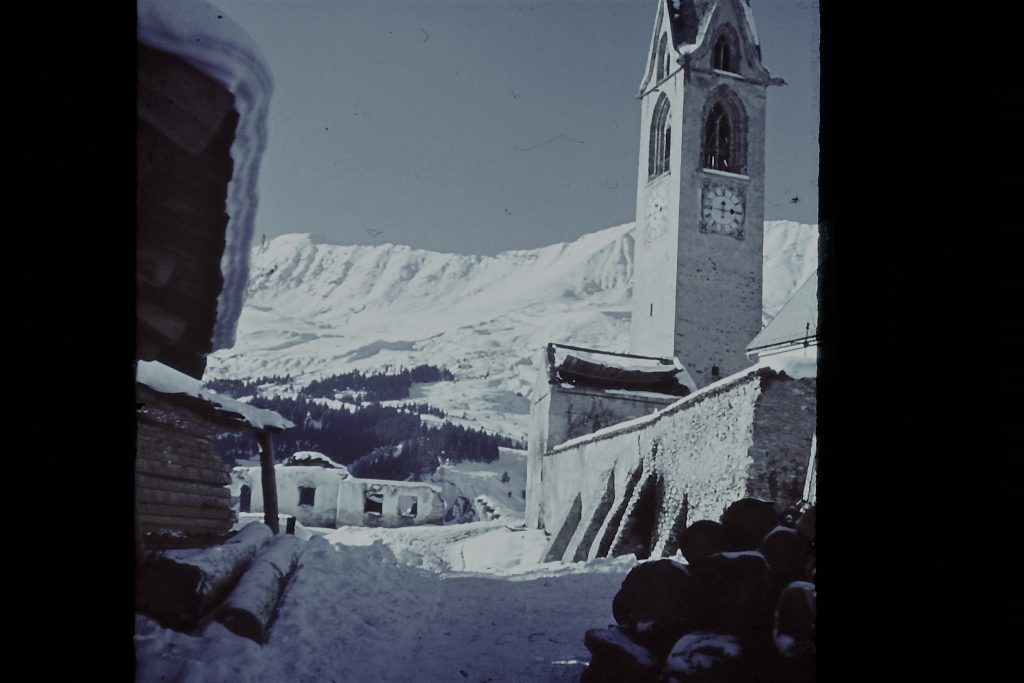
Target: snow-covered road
356, 613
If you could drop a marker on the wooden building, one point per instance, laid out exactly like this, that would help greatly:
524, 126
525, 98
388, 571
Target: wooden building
202, 97
181, 494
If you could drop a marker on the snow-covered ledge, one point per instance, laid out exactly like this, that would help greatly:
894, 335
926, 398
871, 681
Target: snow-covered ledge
209, 40
165, 380
726, 174
635, 424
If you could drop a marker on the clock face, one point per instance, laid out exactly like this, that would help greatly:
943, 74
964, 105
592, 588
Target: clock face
722, 210
656, 223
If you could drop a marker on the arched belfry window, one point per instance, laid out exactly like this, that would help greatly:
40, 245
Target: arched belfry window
724, 53
725, 130
662, 61
661, 139
718, 140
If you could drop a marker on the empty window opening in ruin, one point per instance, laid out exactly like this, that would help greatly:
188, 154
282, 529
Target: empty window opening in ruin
715, 371
373, 501
245, 498
407, 506
306, 495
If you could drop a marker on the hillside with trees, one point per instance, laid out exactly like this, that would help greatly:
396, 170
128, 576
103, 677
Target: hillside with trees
384, 442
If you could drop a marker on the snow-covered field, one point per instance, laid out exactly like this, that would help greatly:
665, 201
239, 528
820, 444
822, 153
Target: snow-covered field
379, 605
315, 309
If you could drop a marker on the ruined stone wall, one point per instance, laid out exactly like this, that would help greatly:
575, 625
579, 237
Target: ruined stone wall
640, 484
322, 513
338, 498
395, 498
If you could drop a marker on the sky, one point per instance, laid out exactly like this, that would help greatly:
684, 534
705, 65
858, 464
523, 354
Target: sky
479, 126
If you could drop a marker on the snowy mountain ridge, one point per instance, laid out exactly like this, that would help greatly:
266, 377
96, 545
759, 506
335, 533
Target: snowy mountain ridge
314, 309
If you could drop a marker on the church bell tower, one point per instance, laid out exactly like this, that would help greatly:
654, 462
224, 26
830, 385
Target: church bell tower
700, 188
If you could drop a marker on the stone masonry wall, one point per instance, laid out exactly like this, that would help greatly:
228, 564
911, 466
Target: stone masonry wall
748, 435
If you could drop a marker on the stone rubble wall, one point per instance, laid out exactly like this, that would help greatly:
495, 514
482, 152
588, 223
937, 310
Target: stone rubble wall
747, 436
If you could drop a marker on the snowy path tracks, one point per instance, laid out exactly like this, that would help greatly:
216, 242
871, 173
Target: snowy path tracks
352, 614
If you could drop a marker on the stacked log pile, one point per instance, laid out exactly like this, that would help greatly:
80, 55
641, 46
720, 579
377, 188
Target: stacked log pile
240, 582
249, 610
743, 609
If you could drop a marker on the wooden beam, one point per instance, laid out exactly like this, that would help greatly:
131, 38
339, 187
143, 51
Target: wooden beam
190, 524
158, 497
169, 326
181, 472
186, 511
211, 491
171, 454
178, 99
269, 481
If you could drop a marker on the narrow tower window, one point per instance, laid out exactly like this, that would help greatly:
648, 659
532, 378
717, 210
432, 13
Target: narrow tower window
723, 55
662, 62
661, 138
718, 140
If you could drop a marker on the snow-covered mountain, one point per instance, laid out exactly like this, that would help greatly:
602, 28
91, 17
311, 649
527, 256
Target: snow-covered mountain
315, 309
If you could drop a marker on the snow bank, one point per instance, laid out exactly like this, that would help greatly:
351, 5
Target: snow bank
302, 532
356, 613
204, 37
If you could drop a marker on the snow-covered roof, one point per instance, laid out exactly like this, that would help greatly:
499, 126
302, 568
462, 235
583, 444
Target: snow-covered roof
689, 20
312, 458
795, 323
617, 370
165, 380
210, 41
689, 23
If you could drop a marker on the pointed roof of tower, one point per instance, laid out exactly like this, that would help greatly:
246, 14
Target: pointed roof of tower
689, 21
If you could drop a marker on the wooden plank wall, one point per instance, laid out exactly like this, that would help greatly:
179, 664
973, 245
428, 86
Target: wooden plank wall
179, 481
